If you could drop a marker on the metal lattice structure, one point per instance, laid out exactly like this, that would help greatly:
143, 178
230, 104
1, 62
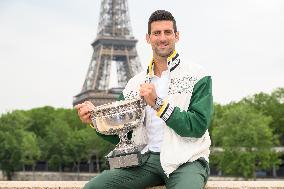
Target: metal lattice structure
114, 60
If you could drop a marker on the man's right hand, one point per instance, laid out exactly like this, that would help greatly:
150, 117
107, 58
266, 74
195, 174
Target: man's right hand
84, 111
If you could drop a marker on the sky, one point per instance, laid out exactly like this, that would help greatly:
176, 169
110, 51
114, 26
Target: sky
45, 46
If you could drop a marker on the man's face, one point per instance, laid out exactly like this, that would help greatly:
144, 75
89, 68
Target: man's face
162, 38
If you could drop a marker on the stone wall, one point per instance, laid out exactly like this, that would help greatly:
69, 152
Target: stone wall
50, 176
65, 176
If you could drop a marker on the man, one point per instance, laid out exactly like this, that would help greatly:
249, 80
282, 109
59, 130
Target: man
179, 99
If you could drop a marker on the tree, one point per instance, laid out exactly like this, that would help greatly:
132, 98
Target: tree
30, 149
279, 95
71, 117
55, 142
12, 132
246, 139
270, 105
10, 153
40, 119
217, 113
77, 148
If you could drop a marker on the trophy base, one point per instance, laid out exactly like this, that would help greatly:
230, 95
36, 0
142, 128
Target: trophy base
132, 159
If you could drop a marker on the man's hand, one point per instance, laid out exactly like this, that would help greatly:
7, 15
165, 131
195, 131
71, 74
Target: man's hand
148, 91
84, 109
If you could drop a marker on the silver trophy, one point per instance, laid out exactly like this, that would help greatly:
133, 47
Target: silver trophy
118, 118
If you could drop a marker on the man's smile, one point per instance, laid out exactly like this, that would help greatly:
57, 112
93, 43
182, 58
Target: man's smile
162, 46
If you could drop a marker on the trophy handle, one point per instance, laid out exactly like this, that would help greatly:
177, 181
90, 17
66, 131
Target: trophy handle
94, 120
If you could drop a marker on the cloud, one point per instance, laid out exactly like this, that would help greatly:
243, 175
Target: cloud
45, 46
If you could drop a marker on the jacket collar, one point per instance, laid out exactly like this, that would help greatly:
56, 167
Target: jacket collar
173, 62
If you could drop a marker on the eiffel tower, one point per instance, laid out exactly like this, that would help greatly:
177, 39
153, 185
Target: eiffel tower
114, 60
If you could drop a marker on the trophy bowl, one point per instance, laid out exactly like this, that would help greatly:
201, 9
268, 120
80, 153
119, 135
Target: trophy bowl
118, 118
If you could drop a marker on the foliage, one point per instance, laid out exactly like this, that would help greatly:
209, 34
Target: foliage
246, 138
56, 136
246, 131
40, 120
270, 105
55, 143
30, 149
12, 135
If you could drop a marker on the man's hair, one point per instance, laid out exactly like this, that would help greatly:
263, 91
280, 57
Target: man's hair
159, 15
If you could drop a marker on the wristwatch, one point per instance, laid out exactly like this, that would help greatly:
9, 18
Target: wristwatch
158, 103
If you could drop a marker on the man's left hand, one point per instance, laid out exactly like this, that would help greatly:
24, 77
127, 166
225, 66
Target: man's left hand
148, 91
